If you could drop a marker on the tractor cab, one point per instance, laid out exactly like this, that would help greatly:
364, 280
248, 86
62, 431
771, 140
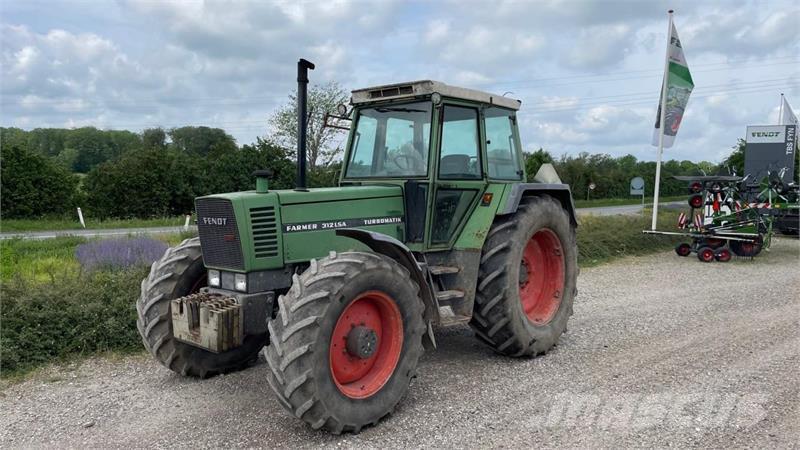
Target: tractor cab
444, 145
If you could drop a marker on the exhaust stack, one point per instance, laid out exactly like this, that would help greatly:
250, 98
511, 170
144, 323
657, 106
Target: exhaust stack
303, 66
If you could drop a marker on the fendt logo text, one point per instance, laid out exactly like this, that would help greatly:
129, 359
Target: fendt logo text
766, 133
219, 221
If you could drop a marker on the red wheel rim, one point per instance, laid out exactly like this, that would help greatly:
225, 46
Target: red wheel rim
708, 254
362, 377
541, 276
724, 255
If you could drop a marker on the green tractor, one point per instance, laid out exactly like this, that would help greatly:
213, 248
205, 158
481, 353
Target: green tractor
432, 224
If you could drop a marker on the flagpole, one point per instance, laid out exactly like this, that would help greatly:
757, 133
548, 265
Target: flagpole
661, 124
780, 111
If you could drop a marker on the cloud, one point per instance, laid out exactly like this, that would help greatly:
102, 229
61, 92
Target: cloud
742, 32
600, 46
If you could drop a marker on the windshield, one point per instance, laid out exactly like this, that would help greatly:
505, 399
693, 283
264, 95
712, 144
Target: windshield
391, 141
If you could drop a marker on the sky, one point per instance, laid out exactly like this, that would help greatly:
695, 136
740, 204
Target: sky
588, 72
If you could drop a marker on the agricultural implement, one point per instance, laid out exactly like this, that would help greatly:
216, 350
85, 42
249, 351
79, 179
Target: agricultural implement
432, 224
721, 222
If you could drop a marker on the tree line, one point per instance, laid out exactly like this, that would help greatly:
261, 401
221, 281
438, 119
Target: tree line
158, 172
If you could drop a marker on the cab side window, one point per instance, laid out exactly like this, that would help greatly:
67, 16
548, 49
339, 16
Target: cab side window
459, 147
501, 144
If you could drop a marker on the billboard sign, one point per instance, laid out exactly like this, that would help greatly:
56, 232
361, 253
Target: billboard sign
770, 148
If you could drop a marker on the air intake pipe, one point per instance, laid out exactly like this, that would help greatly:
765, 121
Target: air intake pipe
303, 67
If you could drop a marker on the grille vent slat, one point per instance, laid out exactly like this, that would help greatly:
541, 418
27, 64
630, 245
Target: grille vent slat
265, 233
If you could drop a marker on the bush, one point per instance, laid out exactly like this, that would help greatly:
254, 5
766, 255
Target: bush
159, 182
144, 184
33, 185
113, 254
72, 316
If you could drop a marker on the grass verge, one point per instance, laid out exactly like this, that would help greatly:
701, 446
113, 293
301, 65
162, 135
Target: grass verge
604, 238
625, 201
52, 311
58, 224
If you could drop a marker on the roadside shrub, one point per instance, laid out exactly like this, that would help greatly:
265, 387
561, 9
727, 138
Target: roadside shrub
119, 253
73, 315
34, 185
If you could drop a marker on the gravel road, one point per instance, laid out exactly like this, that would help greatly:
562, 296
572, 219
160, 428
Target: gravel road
662, 351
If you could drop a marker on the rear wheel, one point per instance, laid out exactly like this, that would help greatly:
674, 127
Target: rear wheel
178, 273
525, 292
346, 341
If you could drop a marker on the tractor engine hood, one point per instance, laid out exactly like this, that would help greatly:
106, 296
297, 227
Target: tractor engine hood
247, 231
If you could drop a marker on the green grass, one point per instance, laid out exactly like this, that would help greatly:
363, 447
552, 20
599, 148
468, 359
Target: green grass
57, 224
43, 260
594, 203
605, 238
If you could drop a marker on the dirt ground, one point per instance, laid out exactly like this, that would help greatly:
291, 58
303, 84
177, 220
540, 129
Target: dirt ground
662, 352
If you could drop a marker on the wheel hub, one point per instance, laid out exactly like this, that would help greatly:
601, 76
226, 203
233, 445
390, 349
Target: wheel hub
366, 344
361, 342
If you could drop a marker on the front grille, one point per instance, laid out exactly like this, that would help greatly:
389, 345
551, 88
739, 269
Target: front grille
265, 235
219, 235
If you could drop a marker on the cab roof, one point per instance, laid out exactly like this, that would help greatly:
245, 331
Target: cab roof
413, 89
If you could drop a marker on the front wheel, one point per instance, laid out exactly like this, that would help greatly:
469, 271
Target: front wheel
178, 273
346, 341
526, 283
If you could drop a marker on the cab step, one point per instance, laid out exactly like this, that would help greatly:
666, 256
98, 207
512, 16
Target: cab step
449, 296
447, 317
443, 270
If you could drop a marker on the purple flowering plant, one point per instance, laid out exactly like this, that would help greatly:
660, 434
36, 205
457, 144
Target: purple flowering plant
119, 253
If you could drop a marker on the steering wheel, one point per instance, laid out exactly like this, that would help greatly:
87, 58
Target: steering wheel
411, 161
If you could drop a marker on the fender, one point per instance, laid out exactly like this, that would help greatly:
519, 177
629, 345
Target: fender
391, 247
560, 192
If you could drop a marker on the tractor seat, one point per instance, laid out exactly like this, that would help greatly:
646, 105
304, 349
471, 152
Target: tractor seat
455, 165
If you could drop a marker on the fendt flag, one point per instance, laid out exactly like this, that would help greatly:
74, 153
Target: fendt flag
679, 87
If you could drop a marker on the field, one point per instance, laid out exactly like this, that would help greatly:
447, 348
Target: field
60, 301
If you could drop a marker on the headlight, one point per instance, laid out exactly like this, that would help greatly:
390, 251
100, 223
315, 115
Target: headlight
240, 282
213, 278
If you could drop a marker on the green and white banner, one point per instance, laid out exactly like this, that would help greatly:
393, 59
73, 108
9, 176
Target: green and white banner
679, 87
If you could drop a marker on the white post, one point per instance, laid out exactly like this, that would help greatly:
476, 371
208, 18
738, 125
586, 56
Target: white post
661, 124
80, 217
186, 224
643, 200
780, 111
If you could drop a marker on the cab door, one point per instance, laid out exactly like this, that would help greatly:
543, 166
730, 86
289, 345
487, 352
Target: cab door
458, 178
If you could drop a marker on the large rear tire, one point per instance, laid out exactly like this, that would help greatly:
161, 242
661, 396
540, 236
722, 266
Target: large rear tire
526, 283
346, 341
178, 273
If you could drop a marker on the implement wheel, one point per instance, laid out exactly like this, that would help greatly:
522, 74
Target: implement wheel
526, 283
178, 273
723, 255
683, 249
346, 341
705, 254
